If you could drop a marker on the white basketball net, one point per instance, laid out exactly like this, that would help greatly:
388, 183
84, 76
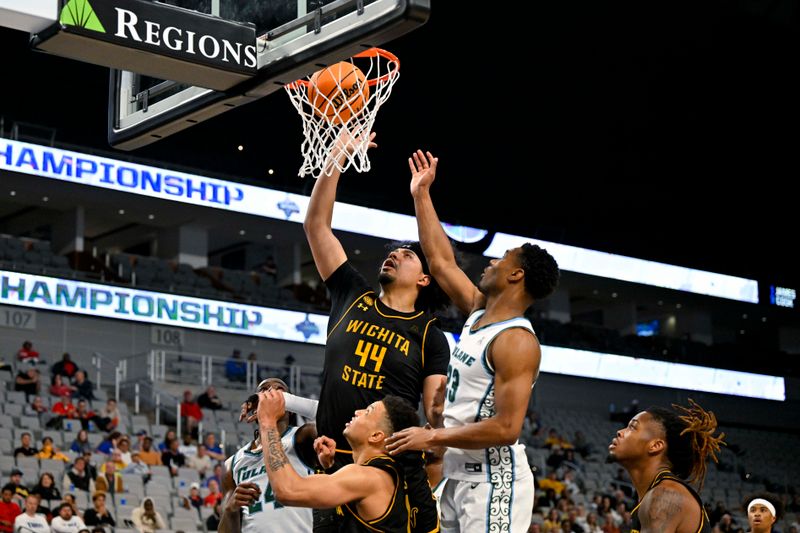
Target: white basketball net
322, 134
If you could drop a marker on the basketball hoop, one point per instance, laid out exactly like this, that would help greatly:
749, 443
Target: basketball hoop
339, 105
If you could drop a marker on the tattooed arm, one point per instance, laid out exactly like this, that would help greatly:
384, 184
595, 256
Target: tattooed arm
669, 508
351, 484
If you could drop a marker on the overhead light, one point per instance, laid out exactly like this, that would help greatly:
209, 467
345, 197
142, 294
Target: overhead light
121, 211
45, 199
744, 316
12, 193
661, 302
613, 294
269, 236
741, 332
595, 292
357, 251
270, 172
240, 147
763, 319
241, 232
678, 306
151, 217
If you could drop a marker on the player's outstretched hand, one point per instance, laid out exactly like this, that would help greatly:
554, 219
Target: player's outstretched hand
413, 438
423, 170
325, 448
245, 494
271, 406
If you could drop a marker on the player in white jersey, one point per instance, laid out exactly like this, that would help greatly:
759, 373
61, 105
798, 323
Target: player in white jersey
492, 370
249, 505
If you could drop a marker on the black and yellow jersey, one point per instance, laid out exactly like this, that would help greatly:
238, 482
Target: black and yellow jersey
372, 350
703, 527
395, 519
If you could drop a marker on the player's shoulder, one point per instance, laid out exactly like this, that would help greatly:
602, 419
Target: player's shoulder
669, 502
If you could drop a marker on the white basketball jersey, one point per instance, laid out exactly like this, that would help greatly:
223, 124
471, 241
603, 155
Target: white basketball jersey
470, 398
267, 515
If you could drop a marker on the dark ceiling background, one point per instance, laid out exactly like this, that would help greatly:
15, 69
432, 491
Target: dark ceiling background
665, 131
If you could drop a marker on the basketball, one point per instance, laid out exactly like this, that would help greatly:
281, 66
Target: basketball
338, 92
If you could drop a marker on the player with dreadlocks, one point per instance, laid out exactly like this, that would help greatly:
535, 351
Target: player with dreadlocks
664, 451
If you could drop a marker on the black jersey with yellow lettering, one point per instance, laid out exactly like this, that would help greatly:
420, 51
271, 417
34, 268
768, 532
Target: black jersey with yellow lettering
372, 351
395, 519
703, 527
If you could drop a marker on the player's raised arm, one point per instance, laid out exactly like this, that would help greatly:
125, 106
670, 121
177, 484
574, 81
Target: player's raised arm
325, 247
434, 241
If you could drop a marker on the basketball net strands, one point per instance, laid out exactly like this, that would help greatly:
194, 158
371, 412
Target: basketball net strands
338, 114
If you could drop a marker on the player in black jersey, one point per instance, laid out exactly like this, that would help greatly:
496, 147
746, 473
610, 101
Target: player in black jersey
379, 343
664, 450
369, 494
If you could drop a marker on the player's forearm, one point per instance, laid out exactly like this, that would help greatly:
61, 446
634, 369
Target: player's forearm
432, 238
323, 197
478, 435
230, 522
304, 407
283, 479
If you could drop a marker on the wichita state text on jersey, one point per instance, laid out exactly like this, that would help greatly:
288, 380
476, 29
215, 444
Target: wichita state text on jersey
372, 351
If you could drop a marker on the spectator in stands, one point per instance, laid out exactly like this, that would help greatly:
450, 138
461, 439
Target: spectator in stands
609, 525
269, 269
570, 485
66, 521
191, 412
212, 522
109, 416
170, 436
63, 410
59, 388
20, 490
99, 515
38, 409
214, 495
28, 381
109, 480
140, 436
607, 508
70, 499
213, 449
148, 455
27, 354
78, 478
85, 415
553, 521
725, 525
235, 368
109, 443
209, 399
91, 468
188, 447
592, 526
25, 447
548, 499
48, 493
146, 518
83, 385
536, 527
627, 523
9, 510
201, 461
124, 450
552, 482
763, 510
136, 466
116, 458
30, 520
50, 451
172, 458
715, 515
194, 500
217, 476
65, 367
81, 443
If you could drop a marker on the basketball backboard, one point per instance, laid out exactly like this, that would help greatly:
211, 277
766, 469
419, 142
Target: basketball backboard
294, 39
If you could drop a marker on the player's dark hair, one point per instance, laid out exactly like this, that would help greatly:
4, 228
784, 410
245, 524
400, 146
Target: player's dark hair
431, 298
541, 271
401, 413
771, 498
690, 439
